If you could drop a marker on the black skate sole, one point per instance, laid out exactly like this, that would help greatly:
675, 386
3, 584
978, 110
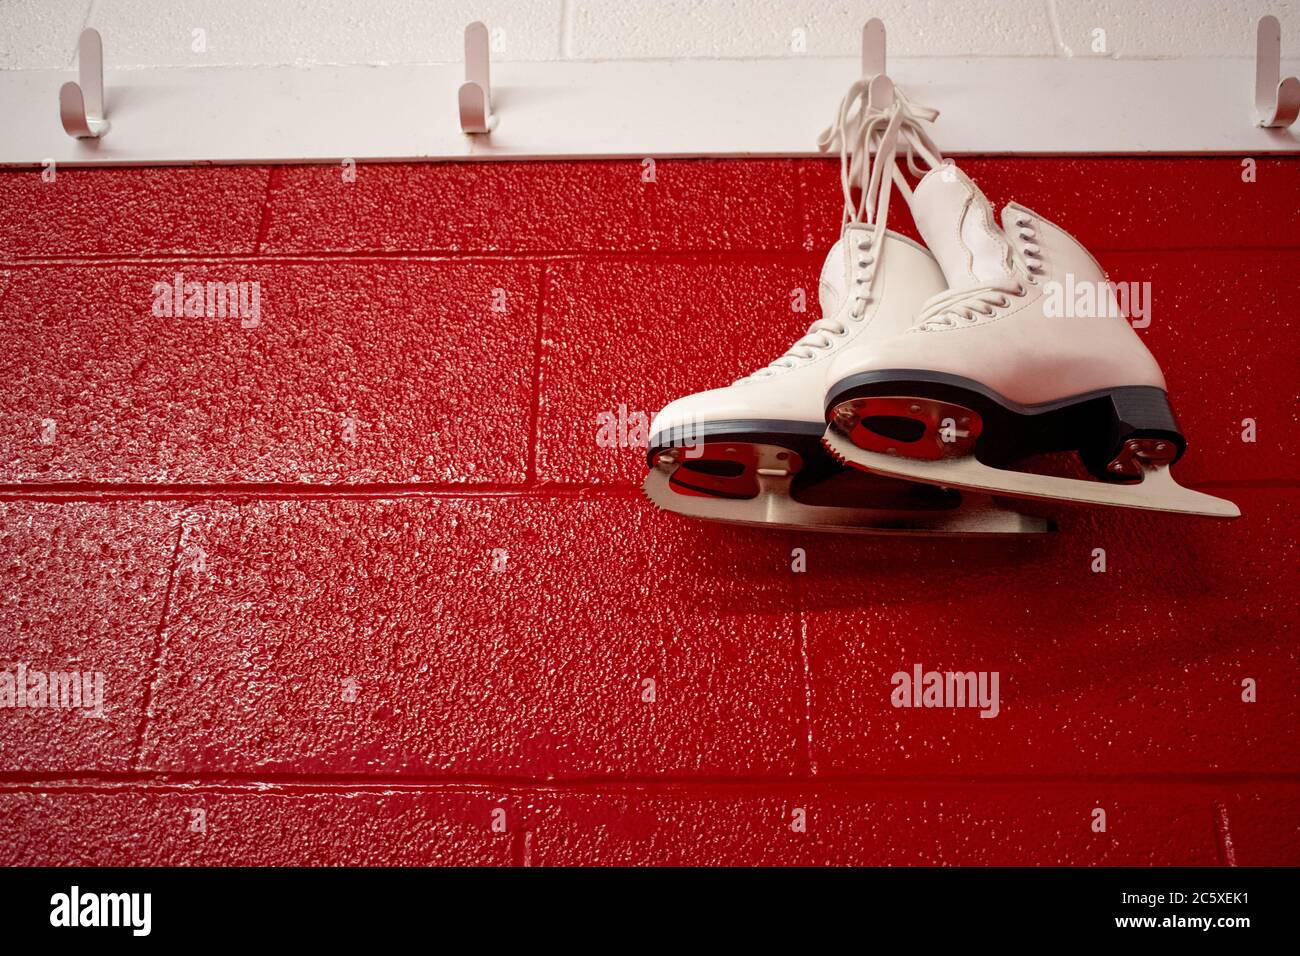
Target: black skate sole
724, 467
933, 415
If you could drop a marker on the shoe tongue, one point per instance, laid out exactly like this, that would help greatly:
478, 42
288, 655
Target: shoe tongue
831, 287
957, 223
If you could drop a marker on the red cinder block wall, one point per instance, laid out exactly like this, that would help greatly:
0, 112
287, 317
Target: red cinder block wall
366, 589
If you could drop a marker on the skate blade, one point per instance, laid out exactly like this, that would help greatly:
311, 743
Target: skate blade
772, 507
1156, 492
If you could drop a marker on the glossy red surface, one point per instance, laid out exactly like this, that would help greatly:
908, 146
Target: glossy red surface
364, 573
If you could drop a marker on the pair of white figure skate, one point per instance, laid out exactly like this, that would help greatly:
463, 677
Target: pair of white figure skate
930, 372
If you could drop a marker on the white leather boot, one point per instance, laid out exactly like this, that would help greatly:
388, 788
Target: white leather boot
752, 452
1003, 365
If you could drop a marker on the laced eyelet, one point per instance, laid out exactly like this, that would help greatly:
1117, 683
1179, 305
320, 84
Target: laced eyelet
1004, 303
1020, 288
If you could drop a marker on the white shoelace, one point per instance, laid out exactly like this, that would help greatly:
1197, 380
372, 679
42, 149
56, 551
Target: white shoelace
857, 123
867, 136
951, 308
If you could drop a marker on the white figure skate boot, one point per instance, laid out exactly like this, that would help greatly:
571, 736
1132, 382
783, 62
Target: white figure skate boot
751, 452
992, 372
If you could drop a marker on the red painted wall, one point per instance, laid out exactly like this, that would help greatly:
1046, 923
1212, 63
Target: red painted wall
390, 492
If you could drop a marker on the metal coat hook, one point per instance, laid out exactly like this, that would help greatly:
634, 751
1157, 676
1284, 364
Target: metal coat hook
81, 106
873, 48
475, 95
1277, 101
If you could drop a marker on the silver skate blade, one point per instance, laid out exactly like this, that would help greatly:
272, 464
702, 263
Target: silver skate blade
1156, 492
773, 507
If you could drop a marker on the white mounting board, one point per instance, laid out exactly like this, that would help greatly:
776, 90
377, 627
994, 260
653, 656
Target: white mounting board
636, 109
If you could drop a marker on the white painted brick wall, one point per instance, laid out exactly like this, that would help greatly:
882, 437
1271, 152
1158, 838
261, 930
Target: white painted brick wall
41, 34
1144, 29
622, 29
306, 32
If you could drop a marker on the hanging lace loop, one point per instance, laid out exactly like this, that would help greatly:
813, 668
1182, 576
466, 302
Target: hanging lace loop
873, 121
866, 111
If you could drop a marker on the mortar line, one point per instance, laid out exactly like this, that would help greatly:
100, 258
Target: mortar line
805, 662
155, 663
1223, 836
535, 397
805, 649
264, 219
435, 256
80, 493
566, 30
806, 238
85, 22
1054, 25
689, 256
101, 782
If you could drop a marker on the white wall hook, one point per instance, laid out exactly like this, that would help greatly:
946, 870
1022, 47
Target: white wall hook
475, 95
880, 93
81, 106
873, 48
1277, 101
